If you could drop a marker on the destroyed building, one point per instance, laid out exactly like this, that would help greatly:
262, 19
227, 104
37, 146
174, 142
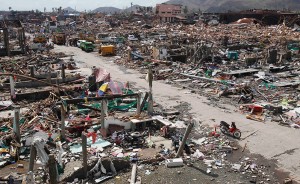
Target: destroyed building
12, 38
265, 17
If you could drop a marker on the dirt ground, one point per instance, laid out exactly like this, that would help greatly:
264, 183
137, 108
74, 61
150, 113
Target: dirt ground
275, 143
197, 173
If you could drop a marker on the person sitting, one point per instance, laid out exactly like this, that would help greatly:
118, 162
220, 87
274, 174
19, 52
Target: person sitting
233, 126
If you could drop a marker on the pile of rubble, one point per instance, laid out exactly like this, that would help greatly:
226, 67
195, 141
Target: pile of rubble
246, 63
58, 125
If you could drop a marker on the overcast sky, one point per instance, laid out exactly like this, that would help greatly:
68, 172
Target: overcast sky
79, 4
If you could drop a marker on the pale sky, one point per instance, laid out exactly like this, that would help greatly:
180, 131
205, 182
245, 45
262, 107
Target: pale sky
80, 5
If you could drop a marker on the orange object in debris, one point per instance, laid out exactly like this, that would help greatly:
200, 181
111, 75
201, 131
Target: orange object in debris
256, 108
255, 117
94, 136
214, 134
87, 118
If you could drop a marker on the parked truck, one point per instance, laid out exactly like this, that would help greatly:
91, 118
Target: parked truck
106, 50
40, 38
87, 46
59, 38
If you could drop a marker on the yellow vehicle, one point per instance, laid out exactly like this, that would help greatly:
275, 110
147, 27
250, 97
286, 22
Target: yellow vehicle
88, 37
59, 38
40, 38
106, 50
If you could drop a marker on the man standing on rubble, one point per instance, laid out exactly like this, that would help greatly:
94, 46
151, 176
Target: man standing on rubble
246, 98
48, 47
165, 130
27, 48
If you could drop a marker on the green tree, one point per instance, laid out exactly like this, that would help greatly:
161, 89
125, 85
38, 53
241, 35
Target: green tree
60, 9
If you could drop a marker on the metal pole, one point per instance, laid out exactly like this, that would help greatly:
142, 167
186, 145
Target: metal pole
186, 134
52, 169
84, 153
63, 116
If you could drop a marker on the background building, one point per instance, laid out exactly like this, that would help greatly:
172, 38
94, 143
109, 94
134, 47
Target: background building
168, 12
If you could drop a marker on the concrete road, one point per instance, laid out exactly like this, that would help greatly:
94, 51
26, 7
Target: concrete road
270, 140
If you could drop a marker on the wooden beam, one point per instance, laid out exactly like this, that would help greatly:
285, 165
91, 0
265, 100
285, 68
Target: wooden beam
16, 124
84, 153
108, 97
102, 117
138, 105
62, 126
144, 100
52, 169
31, 78
186, 134
32, 157
88, 107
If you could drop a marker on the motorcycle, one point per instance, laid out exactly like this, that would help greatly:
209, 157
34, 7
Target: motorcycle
233, 131
246, 98
133, 139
